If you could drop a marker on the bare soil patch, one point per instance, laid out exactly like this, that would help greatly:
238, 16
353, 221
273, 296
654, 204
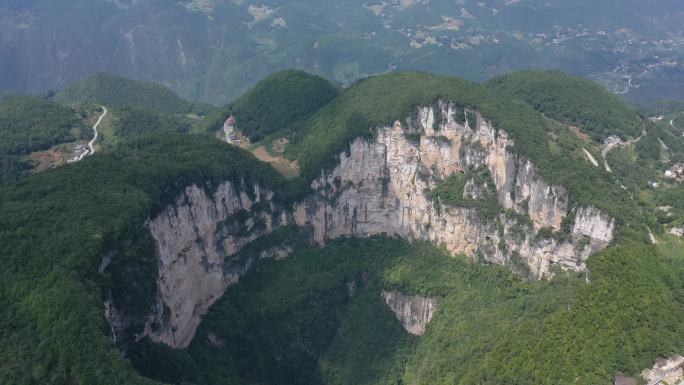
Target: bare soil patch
283, 165
578, 132
50, 158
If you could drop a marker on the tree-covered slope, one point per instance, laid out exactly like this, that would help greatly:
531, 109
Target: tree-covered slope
664, 107
280, 103
29, 124
56, 226
118, 91
126, 123
573, 101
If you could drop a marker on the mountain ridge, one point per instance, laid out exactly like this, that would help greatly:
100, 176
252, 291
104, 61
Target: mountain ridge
216, 50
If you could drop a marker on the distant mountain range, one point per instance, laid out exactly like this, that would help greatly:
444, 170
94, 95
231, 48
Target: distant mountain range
215, 50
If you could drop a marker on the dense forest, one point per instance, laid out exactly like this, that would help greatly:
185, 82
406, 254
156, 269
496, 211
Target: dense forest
127, 123
280, 103
29, 124
664, 107
573, 101
118, 91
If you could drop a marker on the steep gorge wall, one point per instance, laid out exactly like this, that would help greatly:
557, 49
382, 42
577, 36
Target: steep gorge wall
197, 239
378, 187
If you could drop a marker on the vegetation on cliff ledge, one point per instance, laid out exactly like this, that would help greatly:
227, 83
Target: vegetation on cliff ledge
481, 194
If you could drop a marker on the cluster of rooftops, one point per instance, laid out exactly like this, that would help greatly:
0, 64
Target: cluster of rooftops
229, 131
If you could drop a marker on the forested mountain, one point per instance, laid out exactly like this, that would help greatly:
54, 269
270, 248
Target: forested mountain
279, 104
441, 231
215, 50
117, 91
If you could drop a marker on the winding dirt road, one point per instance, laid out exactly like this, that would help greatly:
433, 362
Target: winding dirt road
91, 148
675, 127
610, 147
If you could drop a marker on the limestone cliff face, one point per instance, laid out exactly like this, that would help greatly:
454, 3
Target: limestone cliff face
195, 240
380, 186
414, 312
594, 224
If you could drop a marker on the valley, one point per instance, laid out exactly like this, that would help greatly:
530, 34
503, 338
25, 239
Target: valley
216, 50
436, 231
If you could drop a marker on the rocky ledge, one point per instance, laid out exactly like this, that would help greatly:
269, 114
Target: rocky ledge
413, 311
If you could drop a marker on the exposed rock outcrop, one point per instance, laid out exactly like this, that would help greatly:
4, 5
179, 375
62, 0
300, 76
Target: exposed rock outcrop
594, 224
413, 311
195, 240
380, 186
